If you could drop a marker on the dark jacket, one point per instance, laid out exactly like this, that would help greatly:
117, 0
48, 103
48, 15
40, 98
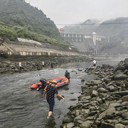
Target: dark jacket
67, 74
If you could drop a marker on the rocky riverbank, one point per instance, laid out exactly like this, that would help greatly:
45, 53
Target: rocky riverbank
103, 102
27, 64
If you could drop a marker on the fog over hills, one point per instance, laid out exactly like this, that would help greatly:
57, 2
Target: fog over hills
114, 31
114, 28
86, 27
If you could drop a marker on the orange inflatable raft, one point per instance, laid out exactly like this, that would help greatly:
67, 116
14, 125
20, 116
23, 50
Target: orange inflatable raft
61, 81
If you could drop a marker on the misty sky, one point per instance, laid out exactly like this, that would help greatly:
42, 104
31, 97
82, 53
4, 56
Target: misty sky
77, 11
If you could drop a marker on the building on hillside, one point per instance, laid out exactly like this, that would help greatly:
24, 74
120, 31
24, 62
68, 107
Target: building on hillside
83, 42
73, 37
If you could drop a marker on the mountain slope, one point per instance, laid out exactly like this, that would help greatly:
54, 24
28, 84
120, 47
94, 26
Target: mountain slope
114, 28
86, 27
18, 12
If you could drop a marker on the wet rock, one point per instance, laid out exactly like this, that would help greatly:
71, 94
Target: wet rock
73, 99
110, 88
67, 119
82, 80
125, 122
10, 65
103, 102
120, 76
78, 120
106, 125
120, 126
86, 124
125, 98
94, 93
70, 125
121, 93
125, 115
102, 90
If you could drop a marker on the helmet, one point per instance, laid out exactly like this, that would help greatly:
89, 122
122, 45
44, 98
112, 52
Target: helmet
53, 82
43, 81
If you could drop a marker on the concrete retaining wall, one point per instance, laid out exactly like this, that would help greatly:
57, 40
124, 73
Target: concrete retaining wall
22, 50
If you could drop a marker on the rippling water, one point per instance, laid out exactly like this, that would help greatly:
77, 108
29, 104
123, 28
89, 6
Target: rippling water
22, 108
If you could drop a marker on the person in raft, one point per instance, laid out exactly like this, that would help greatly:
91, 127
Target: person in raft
50, 92
67, 75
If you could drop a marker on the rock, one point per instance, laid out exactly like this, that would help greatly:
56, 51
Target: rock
111, 88
78, 120
119, 126
125, 98
125, 115
121, 93
102, 90
103, 102
86, 124
67, 119
70, 125
120, 76
108, 113
96, 82
125, 122
94, 93
106, 125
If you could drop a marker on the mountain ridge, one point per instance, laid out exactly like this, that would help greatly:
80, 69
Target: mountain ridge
114, 31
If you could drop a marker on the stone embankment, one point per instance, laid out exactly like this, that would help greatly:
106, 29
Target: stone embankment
27, 64
103, 102
25, 57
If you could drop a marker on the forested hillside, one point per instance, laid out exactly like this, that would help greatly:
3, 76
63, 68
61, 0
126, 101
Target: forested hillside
19, 13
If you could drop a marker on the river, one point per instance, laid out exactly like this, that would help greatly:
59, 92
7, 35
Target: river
22, 108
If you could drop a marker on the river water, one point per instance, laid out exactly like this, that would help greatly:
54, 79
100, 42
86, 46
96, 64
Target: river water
22, 108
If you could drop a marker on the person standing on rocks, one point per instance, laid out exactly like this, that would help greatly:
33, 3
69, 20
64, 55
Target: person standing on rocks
20, 66
50, 92
52, 65
43, 64
94, 63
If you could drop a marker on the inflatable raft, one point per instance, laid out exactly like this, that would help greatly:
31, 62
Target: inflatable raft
61, 81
